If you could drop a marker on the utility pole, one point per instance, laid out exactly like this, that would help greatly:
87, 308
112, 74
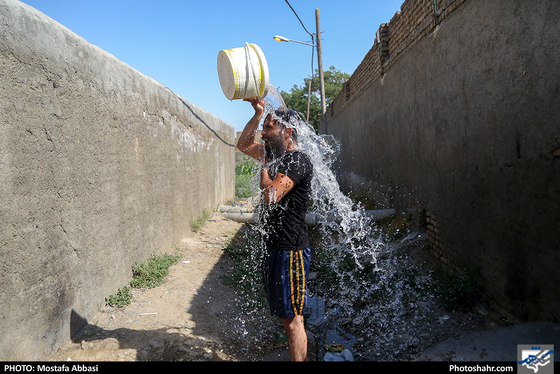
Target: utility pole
321, 78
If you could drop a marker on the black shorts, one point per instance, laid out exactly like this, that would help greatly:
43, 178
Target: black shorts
285, 275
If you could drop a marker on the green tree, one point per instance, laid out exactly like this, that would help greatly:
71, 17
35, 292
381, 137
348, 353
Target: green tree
296, 99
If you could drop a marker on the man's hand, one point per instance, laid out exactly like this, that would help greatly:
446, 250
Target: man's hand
257, 104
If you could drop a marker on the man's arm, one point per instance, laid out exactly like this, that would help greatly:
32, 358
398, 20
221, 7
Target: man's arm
246, 142
274, 190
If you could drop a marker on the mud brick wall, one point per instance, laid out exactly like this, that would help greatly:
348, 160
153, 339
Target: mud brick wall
415, 20
100, 166
455, 111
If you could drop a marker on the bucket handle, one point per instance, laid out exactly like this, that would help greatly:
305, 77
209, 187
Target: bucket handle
251, 67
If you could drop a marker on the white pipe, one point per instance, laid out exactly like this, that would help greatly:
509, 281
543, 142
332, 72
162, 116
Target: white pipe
233, 209
380, 214
310, 218
240, 217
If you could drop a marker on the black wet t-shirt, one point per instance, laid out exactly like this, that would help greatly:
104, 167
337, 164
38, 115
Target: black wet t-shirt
284, 223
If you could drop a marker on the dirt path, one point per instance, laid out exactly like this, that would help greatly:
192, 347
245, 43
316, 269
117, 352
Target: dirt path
191, 317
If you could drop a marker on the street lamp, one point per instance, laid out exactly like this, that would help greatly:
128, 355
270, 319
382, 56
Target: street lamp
279, 38
320, 63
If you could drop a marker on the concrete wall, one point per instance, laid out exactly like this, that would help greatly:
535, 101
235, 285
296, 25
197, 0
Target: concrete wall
99, 167
454, 114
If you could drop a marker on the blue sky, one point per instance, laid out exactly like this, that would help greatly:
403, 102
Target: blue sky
176, 42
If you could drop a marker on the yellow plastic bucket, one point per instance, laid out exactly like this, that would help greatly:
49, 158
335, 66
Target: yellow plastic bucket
243, 72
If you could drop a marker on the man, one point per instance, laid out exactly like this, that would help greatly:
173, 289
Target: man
285, 185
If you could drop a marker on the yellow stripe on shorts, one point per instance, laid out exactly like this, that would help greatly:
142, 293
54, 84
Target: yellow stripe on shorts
299, 294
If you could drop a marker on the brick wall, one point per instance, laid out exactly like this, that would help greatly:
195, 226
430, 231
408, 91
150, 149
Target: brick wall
453, 114
415, 20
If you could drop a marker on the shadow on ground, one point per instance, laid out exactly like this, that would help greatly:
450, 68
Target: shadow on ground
193, 316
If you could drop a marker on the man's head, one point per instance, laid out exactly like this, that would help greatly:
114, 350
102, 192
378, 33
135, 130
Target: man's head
289, 119
279, 133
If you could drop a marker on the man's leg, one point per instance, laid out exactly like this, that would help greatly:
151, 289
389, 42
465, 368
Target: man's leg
297, 338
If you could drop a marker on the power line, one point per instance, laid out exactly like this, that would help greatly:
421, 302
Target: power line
312, 53
298, 18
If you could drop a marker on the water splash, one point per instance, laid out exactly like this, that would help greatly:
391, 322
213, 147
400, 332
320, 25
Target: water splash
361, 272
350, 244
342, 220
273, 100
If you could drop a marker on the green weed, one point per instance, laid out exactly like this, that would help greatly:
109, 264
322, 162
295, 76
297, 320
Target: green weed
122, 298
455, 292
152, 272
147, 274
198, 222
244, 178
